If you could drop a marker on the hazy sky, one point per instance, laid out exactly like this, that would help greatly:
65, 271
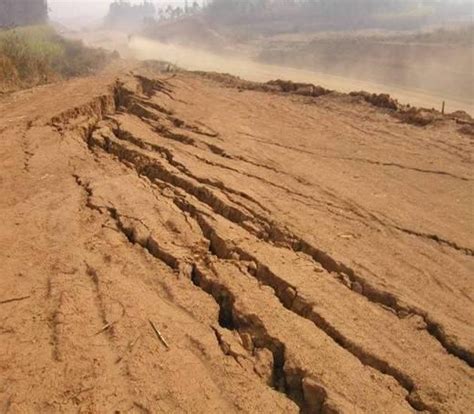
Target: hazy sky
87, 11
71, 10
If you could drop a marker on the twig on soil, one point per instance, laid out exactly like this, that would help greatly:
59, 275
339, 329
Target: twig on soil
158, 334
105, 327
110, 324
129, 348
14, 299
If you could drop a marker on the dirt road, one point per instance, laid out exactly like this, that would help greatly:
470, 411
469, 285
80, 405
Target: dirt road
169, 244
197, 59
236, 61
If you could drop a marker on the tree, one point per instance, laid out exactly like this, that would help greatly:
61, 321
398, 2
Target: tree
195, 7
121, 12
337, 12
22, 12
170, 12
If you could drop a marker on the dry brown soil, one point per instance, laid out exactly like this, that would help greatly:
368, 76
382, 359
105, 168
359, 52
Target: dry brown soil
175, 245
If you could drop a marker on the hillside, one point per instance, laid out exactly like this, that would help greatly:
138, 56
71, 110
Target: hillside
191, 242
35, 55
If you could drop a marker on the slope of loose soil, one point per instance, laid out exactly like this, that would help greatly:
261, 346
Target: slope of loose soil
174, 245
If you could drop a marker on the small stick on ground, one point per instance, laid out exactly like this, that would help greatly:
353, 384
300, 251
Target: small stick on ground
158, 334
129, 348
110, 324
107, 326
14, 299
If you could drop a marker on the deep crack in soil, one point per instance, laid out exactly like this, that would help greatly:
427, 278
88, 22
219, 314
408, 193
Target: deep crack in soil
251, 262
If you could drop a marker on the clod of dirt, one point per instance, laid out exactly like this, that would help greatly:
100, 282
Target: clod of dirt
288, 296
282, 86
462, 116
314, 395
467, 130
264, 364
305, 89
420, 116
247, 341
382, 100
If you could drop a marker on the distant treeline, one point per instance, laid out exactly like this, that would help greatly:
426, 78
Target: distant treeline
337, 14
22, 12
297, 15
171, 13
124, 13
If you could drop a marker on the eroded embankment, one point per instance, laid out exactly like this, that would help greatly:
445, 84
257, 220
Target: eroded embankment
405, 113
291, 303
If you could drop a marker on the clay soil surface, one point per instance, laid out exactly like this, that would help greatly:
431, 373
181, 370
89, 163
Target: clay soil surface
174, 244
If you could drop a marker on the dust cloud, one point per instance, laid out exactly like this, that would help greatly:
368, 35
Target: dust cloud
191, 58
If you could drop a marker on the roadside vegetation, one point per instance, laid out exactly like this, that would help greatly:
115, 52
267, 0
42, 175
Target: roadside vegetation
280, 16
35, 55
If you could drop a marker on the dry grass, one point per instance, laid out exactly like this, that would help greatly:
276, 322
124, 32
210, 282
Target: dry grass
34, 55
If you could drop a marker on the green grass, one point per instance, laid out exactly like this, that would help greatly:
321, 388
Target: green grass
37, 54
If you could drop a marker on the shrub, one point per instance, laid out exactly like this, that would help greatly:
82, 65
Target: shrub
8, 72
37, 54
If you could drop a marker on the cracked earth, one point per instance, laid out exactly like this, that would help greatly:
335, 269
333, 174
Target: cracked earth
172, 244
